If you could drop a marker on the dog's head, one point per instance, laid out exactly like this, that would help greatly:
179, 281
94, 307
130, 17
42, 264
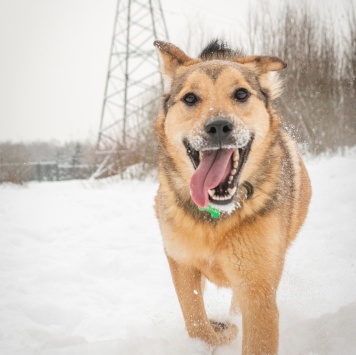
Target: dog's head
216, 110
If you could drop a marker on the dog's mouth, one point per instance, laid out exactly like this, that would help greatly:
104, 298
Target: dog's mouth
217, 173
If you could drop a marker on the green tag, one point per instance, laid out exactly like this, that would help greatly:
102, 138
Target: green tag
215, 213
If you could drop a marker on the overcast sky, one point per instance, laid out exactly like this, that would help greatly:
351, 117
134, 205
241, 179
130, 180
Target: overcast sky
54, 55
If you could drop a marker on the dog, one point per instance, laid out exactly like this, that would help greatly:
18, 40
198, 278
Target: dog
233, 189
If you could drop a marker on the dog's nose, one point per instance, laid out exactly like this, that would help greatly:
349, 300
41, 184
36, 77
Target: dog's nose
220, 127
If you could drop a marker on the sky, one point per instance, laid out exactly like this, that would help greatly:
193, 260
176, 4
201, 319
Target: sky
54, 56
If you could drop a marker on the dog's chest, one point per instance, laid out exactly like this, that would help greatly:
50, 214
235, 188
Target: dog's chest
197, 250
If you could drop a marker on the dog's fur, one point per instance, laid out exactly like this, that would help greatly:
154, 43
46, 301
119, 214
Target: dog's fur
243, 249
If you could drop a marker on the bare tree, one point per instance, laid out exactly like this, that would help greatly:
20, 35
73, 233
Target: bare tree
13, 163
318, 103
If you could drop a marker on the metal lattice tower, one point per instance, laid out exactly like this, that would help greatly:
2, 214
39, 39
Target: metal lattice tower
133, 79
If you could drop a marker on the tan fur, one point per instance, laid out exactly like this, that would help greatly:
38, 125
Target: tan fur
243, 250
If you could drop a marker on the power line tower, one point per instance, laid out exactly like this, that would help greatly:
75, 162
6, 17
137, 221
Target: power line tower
133, 81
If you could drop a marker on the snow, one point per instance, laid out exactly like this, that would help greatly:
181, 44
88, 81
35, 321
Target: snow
82, 271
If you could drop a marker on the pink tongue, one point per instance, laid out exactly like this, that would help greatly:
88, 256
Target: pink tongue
212, 170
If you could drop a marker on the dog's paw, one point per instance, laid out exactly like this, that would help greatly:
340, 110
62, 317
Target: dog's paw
218, 326
216, 333
225, 332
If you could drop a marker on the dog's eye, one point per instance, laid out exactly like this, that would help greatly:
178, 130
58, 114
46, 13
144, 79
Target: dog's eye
190, 99
241, 95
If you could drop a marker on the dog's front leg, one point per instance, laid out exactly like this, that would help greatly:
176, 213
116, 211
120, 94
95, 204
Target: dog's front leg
259, 320
188, 284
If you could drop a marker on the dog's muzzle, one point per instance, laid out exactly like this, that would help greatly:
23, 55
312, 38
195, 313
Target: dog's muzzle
218, 156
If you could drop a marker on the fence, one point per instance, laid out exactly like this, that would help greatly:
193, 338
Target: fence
44, 171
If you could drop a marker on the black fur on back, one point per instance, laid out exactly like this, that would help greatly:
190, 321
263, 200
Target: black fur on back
219, 49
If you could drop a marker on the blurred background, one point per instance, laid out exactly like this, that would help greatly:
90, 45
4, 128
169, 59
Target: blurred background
55, 80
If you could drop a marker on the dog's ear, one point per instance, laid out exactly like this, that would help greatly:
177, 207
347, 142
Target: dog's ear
171, 57
265, 67
262, 64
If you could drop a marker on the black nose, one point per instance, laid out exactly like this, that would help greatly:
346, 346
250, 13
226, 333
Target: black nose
220, 127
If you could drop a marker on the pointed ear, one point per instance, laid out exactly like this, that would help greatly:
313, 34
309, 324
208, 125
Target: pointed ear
262, 64
171, 57
266, 68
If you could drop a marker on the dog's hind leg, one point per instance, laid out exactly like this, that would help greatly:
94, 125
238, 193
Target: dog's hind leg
188, 284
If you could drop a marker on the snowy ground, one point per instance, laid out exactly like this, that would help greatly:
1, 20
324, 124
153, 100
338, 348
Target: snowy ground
82, 271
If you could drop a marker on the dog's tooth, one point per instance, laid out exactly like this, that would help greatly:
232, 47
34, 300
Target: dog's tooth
233, 171
231, 191
235, 164
234, 156
211, 192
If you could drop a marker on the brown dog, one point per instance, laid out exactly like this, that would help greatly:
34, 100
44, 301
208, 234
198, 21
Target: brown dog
222, 149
